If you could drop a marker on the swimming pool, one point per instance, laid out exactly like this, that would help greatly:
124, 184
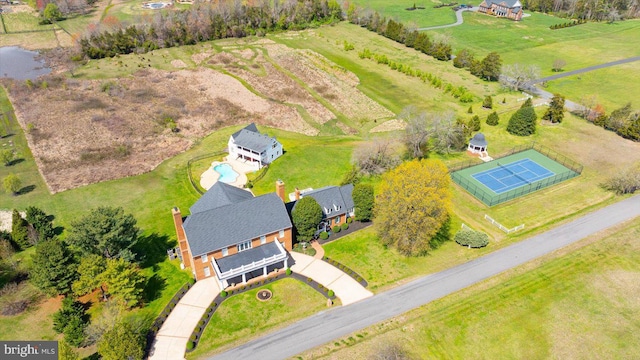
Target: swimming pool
227, 174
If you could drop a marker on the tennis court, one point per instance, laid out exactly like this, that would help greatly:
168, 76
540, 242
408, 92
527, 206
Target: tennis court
522, 171
512, 175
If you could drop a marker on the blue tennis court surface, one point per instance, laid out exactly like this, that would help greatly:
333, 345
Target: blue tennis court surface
512, 175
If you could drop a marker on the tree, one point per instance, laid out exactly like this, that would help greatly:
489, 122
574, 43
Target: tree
306, 216
40, 222
417, 131
105, 231
470, 110
463, 59
413, 204
518, 76
558, 64
523, 122
487, 103
474, 123
66, 352
124, 281
122, 342
71, 320
491, 65
527, 103
51, 13
19, 230
375, 157
555, 112
618, 118
363, 201
493, 119
89, 275
6, 156
54, 268
448, 134
12, 184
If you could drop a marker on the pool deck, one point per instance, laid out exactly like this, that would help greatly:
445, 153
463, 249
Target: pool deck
210, 176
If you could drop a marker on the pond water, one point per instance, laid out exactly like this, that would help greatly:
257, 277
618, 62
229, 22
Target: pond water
20, 64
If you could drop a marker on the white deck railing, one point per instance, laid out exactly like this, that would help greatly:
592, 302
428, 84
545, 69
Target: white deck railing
250, 267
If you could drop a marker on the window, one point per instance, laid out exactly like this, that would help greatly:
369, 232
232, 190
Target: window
281, 235
244, 246
207, 272
225, 252
337, 220
263, 240
204, 258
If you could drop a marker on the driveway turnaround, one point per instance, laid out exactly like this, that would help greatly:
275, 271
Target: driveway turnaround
171, 340
328, 325
343, 285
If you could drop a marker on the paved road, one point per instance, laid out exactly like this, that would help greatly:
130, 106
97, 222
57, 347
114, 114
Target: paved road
583, 70
459, 20
337, 322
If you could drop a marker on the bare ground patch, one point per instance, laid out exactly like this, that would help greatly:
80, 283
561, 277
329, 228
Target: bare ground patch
87, 131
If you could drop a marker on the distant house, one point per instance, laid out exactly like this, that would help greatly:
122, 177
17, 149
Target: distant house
336, 203
511, 9
249, 144
234, 236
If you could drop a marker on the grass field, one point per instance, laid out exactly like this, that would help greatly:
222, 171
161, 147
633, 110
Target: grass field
577, 303
420, 17
242, 316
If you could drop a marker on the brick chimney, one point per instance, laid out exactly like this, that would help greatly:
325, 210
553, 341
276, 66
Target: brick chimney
182, 238
280, 190
297, 194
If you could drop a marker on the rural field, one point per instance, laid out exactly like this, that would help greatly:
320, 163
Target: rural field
138, 119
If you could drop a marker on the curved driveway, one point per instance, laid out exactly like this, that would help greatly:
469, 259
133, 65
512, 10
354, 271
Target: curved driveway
583, 70
459, 20
337, 322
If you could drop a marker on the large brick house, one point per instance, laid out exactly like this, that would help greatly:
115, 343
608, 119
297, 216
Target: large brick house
511, 9
234, 236
249, 144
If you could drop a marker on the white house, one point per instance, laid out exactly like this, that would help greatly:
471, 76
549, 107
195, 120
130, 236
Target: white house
249, 144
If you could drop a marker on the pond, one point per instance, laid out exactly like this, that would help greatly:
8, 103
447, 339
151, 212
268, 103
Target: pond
21, 64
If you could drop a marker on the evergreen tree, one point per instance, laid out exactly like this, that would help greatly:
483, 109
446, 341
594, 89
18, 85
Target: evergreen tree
555, 112
54, 268
19, 231
470, 110
122, 342
90, 275
527, 103
474, 123
40, 222
493, 119
491, 65
523, 122
124, 281
363, 200
306, 216
488, 102
71, 320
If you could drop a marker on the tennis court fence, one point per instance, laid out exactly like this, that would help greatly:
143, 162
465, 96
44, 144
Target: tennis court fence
490, 198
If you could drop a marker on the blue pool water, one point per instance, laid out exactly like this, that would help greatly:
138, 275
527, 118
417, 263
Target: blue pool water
227, 174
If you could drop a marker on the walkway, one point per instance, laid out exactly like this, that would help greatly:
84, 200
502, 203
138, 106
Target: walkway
319, 250
327, 326
171, 341
344, 286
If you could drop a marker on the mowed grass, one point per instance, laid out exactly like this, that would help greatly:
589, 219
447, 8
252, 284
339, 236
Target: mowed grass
580, 302
396, 10
23, 21
612, 87
243, 316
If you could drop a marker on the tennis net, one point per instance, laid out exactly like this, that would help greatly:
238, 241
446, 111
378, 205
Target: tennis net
513, 173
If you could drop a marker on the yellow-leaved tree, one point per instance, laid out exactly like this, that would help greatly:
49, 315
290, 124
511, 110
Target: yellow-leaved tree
413, 205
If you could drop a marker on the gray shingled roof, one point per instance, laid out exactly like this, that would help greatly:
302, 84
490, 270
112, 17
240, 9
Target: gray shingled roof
250, 138
478, 140
248, 256
231, 224
508, 3
329, 196
220, 194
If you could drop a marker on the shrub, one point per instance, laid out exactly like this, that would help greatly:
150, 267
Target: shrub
309, 279
223, 294
471, 238
330, 293
523, 122
488, 102
288, 271
190, 345
349, 220
625, 182
344, 226
493, 119
474, 123
336, 229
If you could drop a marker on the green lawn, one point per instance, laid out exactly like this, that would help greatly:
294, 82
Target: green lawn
241, 317
572, 304
23, 21
612, 87
420, 17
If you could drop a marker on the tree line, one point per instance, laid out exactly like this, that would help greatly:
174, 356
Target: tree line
598, 10
206, 21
